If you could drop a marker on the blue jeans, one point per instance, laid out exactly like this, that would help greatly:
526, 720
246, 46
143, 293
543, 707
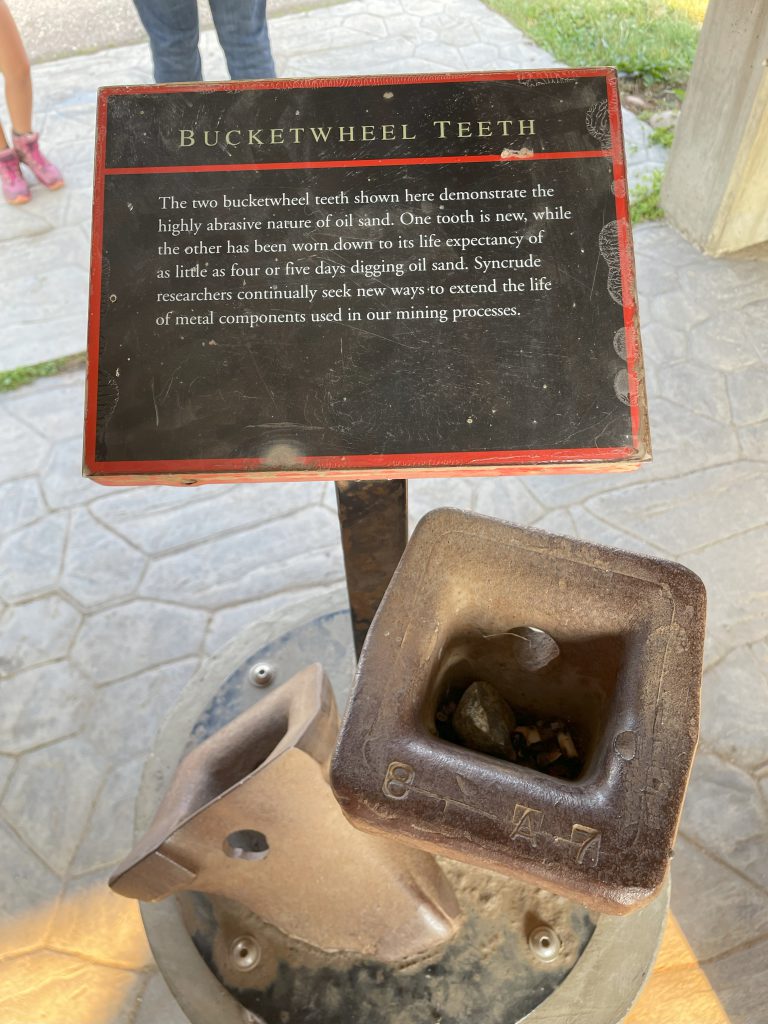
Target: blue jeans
173, 31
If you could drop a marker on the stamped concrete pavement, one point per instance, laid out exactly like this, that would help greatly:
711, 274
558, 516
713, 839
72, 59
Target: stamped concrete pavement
111, 599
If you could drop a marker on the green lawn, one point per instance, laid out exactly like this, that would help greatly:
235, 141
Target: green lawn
652, 39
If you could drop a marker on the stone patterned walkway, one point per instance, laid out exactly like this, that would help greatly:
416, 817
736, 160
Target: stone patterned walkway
110, 599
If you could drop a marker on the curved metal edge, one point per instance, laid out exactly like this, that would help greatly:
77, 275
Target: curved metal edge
609, 976
197, 991
622, 949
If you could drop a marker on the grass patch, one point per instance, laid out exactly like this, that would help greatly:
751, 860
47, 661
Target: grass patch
654, 40
662, 136
645, 201
17, 378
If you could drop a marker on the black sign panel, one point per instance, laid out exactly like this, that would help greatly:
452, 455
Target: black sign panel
376, 277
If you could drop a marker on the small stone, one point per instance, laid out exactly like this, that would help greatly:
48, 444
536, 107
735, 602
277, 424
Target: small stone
483, 721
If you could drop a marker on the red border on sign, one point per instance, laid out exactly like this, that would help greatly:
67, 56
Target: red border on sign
482, 158
462, 462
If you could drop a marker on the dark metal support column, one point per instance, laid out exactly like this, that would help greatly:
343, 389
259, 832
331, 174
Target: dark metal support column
373, 515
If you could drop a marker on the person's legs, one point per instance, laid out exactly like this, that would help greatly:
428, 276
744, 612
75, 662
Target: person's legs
241, 26
173, 33
14, 65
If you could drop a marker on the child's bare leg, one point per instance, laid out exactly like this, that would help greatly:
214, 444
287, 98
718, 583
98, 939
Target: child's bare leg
14, 64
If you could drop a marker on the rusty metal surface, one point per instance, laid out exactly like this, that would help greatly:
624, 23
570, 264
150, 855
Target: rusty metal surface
193, 935
485, 973
629, 631
250, 816
373, 516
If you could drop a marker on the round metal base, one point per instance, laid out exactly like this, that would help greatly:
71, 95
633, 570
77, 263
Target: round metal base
520, 953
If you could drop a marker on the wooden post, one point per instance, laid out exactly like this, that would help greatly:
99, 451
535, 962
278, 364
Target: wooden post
716, 186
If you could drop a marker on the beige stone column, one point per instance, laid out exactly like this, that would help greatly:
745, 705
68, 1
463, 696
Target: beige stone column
716, 186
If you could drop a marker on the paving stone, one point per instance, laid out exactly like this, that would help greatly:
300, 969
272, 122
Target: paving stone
369, 24
43, 292
63, 482
117, 507
27, 224
56, 988
716, 907
99, 567
158, 1004
21, 502
133, 637
109, 833
724, 814
662, 345
734, 572
590, 528
741, 982
724, 283
99, 925
227, 624
38, 342
507, 498
728, 342
36, 632
410, 24
444, 57
56, 412
164, 522
7, 764
329, 497
126, 715
50, 796
675, 309
734, 707
748, 390
31, 558
560, 521
309, 37
22, 451
29, 261
684, 441
424, 495
698, 388
251, 564
656, 241
28, 893
41, 705
690, 511
754, 441
559, 490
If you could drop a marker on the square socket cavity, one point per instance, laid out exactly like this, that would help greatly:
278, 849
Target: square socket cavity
611, 647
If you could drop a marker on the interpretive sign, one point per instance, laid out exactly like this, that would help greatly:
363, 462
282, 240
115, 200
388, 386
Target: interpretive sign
363, 277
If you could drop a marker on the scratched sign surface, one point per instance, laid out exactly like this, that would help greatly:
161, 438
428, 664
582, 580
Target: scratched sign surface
363, 277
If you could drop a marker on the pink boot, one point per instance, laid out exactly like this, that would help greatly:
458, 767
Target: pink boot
28, 151
15, 189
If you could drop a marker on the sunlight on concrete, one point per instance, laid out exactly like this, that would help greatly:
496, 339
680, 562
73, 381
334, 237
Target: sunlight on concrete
91, 968
678, 990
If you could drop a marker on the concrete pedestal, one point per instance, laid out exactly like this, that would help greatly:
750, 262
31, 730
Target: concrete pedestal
715, 190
